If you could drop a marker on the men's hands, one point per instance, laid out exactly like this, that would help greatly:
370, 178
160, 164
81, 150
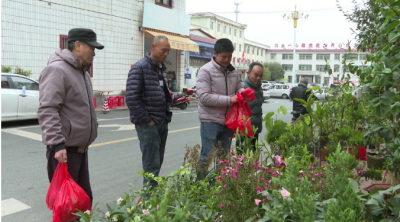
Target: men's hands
234, 99
61, 156
150, 123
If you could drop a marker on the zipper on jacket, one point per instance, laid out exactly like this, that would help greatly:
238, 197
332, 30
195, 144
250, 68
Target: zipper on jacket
90, 107
226, 87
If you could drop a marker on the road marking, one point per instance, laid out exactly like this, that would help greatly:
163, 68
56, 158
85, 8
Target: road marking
23, 133
10, 206
174, 113
135, 138
121, 127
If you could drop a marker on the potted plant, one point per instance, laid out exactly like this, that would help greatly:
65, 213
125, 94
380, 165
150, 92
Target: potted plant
376, 158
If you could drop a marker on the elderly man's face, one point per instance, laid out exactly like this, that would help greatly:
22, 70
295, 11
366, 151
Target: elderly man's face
160, 50
255, 75
84, 52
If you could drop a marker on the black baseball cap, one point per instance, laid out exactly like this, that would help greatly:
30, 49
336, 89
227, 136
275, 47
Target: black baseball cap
84, 35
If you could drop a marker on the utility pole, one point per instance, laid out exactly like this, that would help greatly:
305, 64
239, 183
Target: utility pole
237, 3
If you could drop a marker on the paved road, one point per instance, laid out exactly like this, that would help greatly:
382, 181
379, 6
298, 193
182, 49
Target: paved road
113, 159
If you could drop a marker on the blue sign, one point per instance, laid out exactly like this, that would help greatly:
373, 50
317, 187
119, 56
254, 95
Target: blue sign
204, 53
164, 19
188, 76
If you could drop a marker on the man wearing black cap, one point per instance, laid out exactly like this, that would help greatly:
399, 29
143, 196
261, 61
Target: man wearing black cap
66, 111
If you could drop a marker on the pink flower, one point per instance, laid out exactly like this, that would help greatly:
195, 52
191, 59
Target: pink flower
311, 167
240, 158
233, 205
235, 172
259, 189
158, 207
256, 180
320, 182
219, 178
313, 179
119, 201
235, 177
266, 187
316, 174
221, 162
225, 186
361, 172
233, 153
281, 174
301, 172
264, 200
265, 168
146, 212
224, 169
107, 214
322, 173
301, 178
257, 201
87, 212
285, 193
221, 206
262, 179
269, 181
239, 163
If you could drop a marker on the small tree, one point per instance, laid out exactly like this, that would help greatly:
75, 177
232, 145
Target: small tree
17, 70
266, 73
6, 69
275, 69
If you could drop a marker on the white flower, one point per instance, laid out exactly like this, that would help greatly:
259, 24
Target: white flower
87, 212
119, 201
115, 219
158, 206
146, 212
107, 215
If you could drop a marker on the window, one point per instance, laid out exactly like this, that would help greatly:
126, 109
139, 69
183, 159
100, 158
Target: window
318, 80
337, 56
224, 28
326, 81
323, 56
273, 55
248, 49
287, 67
262, 52
218, 27
286, 87
336, 68
4, 83
363, 57
211, 25
166, 3
64, 45
351, 56
278, 87
240, 34
234, 32
230, 31
287, 56
322, 68
234, 46
305, 67
21, 81
290, 79
258, 50
253, 50
240, 47
305, 56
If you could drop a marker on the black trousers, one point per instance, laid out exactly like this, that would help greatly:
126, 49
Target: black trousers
78, 167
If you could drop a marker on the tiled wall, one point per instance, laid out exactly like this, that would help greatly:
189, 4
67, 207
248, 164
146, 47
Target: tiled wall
31, 32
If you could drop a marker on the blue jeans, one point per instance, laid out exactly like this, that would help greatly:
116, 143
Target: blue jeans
152, 144
211, 134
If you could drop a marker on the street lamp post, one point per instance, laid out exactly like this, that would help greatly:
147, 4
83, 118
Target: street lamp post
295, 16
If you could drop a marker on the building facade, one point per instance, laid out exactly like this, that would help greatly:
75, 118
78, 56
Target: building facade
255, 52
312, 64
32, 30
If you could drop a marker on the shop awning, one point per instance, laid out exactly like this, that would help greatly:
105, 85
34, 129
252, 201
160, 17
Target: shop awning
176, 42
204, 44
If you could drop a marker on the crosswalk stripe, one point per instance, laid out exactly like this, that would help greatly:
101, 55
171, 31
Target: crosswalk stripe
10, 206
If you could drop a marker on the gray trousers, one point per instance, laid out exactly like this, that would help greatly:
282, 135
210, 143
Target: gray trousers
152, 144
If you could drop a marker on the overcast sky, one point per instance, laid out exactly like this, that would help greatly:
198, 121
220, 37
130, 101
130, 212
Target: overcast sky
326, 24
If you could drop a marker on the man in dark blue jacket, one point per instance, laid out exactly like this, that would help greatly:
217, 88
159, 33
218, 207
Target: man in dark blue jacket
148, 101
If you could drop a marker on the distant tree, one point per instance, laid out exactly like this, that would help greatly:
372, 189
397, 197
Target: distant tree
266, 73
17, 70
275, 69
6, 69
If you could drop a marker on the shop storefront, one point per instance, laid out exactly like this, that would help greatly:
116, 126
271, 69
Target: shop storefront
198, 59
177, 34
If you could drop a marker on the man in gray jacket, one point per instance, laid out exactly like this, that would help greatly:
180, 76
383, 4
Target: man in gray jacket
217, 85
66, 111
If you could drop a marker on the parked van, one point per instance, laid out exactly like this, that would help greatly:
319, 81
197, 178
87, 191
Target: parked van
280, 90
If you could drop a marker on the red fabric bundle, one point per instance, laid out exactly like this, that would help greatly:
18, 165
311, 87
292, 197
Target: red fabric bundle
234, 119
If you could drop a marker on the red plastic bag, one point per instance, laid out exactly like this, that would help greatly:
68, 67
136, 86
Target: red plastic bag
55, 185
234, 119
70, 197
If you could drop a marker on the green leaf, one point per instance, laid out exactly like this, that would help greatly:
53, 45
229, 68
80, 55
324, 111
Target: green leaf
300, 100
354, 185
395, 108
385, 220
390, 27
394, 37
269, 115
372, 202
283, 109
388, 95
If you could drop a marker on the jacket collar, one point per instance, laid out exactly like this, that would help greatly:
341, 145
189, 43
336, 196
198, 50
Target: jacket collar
154, 63
302, 84
251, 84
70, 58
215, 63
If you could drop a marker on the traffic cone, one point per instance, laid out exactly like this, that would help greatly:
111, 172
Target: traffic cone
105, 107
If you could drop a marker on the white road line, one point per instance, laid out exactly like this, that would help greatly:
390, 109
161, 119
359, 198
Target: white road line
23, 133
10, 206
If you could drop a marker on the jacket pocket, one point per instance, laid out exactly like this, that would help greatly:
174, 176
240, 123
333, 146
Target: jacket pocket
71, 130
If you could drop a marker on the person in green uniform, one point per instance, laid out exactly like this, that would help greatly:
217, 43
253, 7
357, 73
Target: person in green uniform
253, 81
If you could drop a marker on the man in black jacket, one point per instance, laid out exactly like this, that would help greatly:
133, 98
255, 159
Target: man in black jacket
148, 101
299, 92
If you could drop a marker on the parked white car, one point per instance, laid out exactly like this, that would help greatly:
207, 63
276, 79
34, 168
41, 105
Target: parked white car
321, 94
266, 93
280, 90
16, 103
